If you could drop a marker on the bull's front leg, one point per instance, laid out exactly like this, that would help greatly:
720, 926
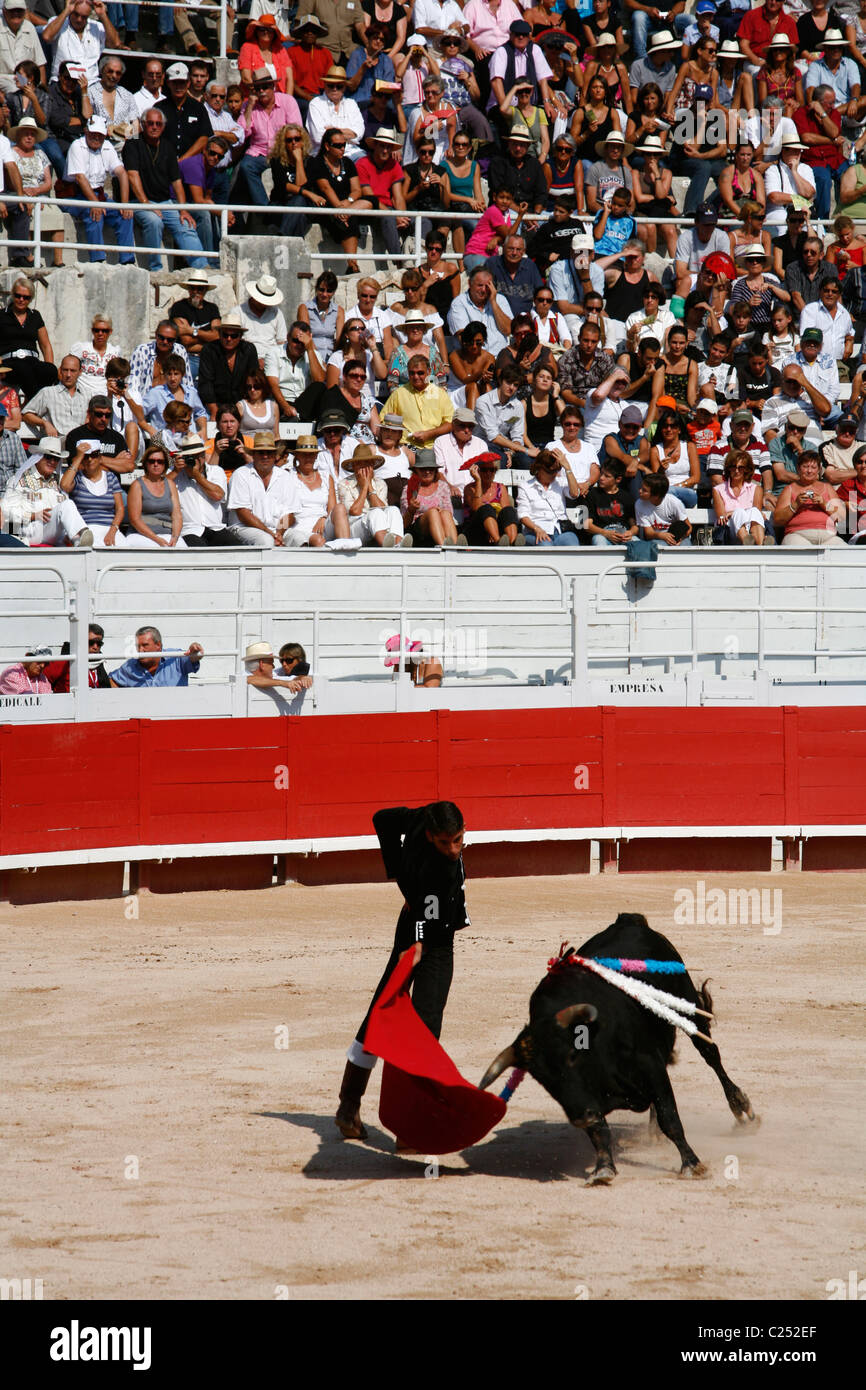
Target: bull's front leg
671, 1126
605, 1168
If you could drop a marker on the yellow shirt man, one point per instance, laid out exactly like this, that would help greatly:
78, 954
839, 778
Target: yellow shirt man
426, 411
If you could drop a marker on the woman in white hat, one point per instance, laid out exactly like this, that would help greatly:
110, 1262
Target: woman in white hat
397, 460
364, 495
606, 64
317, 516
736, 90
36, 179
651, 186
779, 77
414, 328
757, 287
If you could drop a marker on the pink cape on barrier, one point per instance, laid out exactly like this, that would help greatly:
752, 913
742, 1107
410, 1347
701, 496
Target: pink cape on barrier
424, 1099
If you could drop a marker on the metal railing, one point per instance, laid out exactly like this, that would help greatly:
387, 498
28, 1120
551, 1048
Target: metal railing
79, 207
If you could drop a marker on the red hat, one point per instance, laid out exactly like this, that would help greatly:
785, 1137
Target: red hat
265, 21
721, 264
480, 458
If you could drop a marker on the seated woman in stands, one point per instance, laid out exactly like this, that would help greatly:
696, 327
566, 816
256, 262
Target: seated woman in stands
414, 327
738, 499
258, 410
412, 285
492, 516
426, 504
543, 409
318, 516
397, 458
97, 494
472, 366
809, 510
355, 402
356, 342
325, 318
675, 455
154, 506
230, 447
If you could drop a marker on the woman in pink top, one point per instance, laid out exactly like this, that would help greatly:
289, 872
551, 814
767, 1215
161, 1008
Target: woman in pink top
809, 510
489, 22
738, 500
426, 504
27, 677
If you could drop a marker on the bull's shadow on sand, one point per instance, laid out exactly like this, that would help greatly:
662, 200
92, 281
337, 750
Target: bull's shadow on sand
538, 1150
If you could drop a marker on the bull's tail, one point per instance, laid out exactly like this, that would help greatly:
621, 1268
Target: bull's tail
705, 1000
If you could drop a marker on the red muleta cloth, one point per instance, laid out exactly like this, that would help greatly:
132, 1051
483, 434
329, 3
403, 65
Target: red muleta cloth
424, 1099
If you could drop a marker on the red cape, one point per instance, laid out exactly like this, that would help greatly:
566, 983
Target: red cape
424, 1099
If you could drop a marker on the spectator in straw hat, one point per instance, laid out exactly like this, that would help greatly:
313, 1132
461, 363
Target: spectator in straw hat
259, 663
310, 60
365, 498
226, 364
262, 497
202, 489
317, 518
261, 316
333, 110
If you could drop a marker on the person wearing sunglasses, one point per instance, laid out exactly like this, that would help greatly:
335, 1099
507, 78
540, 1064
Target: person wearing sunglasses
226, 365
155, 182
333, 110
97, 353
57, 672
334, 176
98, 427
265, 113
147, 364
25, 347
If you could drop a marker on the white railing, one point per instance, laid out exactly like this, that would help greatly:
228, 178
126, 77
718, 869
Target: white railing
80, 207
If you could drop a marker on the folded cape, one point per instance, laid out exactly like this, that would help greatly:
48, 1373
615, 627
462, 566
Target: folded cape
424, 1099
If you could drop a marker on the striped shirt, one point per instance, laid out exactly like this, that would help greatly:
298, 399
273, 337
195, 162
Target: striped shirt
94, 500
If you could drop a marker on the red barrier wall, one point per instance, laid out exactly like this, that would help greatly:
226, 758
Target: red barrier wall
76, 786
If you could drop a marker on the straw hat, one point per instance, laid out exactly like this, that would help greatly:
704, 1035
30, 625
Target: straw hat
781, 41
191, 444
26, 124
307, 21
257, 650
263, 441
264, 290
233, 320
335, 74
305, 444
651, 145
662, 41
364, 454
386, 136
729, 48
614, 138
197, 279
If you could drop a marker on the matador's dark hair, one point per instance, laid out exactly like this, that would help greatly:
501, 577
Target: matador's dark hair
443, 818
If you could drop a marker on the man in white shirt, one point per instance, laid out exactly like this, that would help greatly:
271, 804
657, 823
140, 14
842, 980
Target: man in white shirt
603, 408
834, 321
290, 370
264, 321
481, 304
334, 108
224, 124
202, 489
18, 41
150, 91
262, 496
81, 40
90, 161
454, 449
431, 18
820, 370
501, 419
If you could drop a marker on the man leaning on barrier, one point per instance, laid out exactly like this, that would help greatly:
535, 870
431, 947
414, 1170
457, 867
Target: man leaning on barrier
150, 668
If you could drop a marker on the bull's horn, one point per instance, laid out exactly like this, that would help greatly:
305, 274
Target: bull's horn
576, 1013
506, 1059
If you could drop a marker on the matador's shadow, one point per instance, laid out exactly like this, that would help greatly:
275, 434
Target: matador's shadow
537, 1150
341, 1160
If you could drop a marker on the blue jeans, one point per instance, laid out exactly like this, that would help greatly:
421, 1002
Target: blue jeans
207, 227
152, 226
252, 166
687, 495
602, 541
826, 180
122, 228
53, 151
640, 23
699, 172
125, 17
560, 538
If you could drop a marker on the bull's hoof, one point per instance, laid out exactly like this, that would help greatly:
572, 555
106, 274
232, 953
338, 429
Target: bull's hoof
348, 1122
404, 1149
694, 1170
601, 1177
748, 1118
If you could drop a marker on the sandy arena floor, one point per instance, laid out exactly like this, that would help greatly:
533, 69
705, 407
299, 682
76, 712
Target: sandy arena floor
149, 1045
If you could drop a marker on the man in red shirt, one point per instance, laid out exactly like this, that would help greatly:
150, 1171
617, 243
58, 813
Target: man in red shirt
758, 26
819, 126
381, 178
309, 60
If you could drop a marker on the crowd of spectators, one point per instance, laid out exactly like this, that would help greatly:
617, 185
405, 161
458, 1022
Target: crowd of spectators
630, 367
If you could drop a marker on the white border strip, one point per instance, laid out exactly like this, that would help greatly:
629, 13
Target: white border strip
223, 850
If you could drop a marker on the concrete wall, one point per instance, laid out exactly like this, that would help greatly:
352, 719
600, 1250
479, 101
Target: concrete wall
67, 297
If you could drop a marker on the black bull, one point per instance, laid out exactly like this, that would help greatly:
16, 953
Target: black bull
596, 1050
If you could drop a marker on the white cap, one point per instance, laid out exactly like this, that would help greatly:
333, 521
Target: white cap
416, 41
96, 125
178, 72
705, 403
